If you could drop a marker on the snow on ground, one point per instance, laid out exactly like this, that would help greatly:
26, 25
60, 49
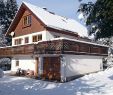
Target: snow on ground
100, 83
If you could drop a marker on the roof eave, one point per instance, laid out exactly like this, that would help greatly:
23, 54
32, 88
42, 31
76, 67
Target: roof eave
57, 28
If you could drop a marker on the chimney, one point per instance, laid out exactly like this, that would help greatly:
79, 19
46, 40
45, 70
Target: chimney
45, 8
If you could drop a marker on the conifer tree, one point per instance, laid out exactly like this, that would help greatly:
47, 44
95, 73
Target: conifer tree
2, 14
10, 11
99, 17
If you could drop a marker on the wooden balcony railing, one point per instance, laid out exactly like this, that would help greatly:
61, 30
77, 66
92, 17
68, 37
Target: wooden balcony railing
49, 47
60, 46
17, 50
69, 47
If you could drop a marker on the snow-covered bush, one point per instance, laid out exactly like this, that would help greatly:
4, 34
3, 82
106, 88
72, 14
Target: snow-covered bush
1, 73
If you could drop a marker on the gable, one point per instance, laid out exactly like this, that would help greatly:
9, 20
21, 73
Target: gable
17, 25
35, 26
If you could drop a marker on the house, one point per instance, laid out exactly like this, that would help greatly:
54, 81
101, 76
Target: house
49, 45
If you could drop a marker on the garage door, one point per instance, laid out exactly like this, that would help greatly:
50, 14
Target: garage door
51, 68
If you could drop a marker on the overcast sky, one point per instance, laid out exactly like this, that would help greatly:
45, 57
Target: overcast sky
67, 8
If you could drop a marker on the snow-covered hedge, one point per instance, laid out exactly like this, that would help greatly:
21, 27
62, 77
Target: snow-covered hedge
1, 73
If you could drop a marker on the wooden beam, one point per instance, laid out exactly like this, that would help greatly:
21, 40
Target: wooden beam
36, 66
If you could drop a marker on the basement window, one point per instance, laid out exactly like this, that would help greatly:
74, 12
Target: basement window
17, 63
27, 20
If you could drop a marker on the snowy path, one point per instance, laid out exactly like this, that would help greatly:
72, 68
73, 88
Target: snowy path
94, 84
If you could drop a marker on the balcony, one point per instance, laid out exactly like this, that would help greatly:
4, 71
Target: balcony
70, 47
16, 50
60, 46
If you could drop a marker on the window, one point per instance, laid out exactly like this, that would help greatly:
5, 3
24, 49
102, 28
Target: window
35, 38
27, 20
17, 62
26, 40
18, 41
40, 37
56, 36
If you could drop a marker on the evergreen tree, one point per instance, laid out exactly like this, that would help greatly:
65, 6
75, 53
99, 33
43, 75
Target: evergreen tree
10, 11
99, 18
2, 14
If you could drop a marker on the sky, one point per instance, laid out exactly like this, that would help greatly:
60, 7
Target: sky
66, 8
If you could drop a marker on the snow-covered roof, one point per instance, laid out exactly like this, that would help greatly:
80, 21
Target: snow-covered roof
58, 22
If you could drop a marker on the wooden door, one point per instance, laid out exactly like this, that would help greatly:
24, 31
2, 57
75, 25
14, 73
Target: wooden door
56, 67
45, 67
51, 68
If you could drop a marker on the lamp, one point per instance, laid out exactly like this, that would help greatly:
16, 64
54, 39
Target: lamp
12, 34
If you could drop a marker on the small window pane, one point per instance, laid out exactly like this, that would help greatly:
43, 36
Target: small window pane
19, 41
35, 38
27, 20
16, 41
40, 37
26, 40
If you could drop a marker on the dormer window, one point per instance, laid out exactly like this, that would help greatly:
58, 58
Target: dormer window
27, 20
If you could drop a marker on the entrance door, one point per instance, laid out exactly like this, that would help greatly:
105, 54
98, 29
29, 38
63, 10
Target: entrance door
51, 68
